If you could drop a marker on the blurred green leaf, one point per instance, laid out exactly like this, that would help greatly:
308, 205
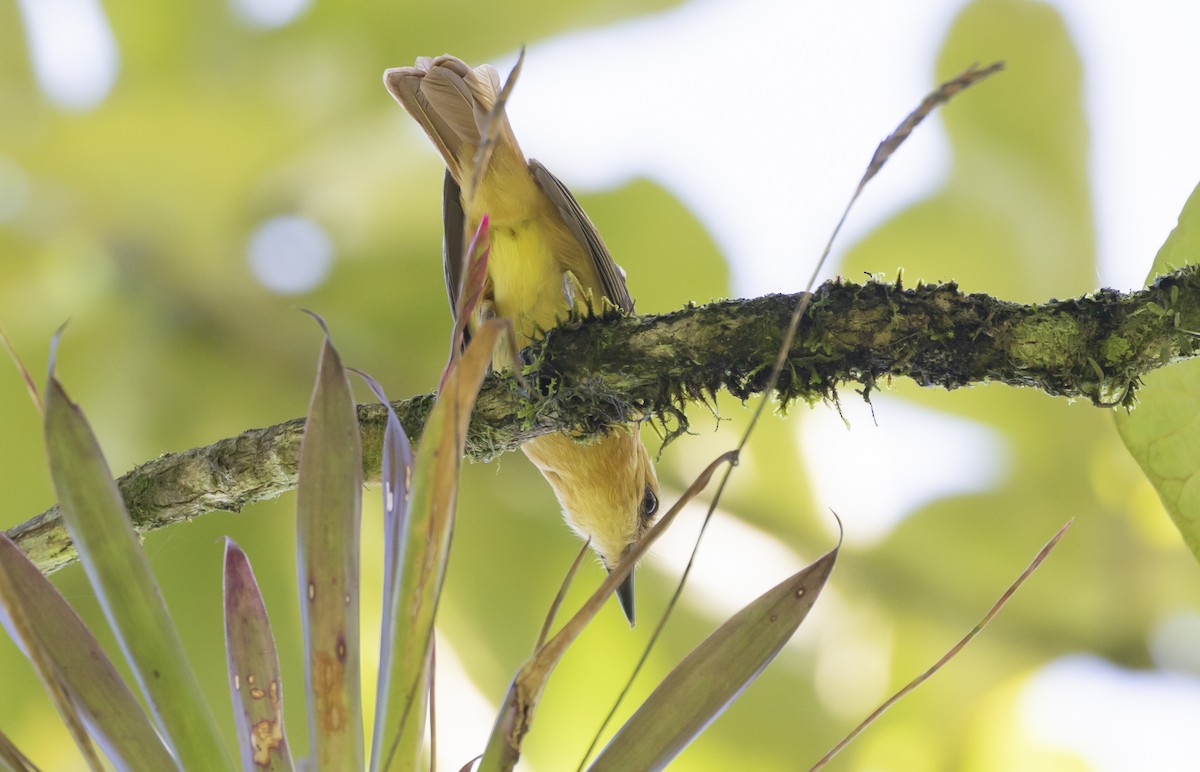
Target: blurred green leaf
94, 513
328, 516
255, 683
1163, 431
714, 674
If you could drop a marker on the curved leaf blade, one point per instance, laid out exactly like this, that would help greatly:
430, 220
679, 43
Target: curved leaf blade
76, 662
328, 509
408, 628
712, 676
112, 556
396, 484
255, 685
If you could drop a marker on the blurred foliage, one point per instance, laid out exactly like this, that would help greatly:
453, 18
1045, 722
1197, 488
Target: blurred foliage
135, 229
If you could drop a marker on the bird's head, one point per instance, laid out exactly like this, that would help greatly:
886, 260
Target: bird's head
608, 491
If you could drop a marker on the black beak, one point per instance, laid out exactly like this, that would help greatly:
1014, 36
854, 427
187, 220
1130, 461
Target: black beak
625, 597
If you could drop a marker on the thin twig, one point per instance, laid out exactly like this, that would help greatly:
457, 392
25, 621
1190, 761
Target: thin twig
556, 604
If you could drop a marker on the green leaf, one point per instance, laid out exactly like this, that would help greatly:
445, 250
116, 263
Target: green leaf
112, 556
328, 508
408, 622
1163, 431
77, 663
712, 676
254, 680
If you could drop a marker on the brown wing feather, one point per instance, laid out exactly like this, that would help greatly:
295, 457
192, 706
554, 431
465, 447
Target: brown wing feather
453, 227
453, 234
612, 278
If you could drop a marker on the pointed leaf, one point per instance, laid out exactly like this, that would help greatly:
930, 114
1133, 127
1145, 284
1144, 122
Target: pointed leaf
69, 656
112, 556
400, 706
21, 630
712, 676
30, 385
397, 487
328, 508
396, 479
1162, 432
254, 681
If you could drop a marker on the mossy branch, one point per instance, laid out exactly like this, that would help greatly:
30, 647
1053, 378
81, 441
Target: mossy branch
605, 371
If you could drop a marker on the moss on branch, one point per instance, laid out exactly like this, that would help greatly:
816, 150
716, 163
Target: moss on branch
592, 374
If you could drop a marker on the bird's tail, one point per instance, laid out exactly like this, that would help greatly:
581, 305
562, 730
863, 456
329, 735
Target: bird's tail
451, 101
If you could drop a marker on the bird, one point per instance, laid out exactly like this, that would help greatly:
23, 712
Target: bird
544, 251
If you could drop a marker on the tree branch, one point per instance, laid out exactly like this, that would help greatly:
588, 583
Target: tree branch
594, 374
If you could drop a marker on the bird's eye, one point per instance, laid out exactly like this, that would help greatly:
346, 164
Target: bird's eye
649, 504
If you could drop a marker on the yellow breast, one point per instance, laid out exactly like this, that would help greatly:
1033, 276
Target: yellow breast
526, 277
532, 248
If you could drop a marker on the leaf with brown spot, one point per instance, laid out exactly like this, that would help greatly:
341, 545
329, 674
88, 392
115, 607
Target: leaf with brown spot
328, 511
254, 680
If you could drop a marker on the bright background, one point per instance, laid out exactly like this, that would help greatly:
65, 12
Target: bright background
177, 179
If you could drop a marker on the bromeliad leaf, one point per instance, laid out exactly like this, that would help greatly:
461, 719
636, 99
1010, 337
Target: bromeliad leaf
95, 516
254, 680
396, 479
328, 508
76, 662
397, 487
714, 674
408, 626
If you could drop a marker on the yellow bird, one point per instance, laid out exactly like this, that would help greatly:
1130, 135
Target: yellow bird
543, 247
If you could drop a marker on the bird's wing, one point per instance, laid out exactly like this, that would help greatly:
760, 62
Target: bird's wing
453, 229
612, 278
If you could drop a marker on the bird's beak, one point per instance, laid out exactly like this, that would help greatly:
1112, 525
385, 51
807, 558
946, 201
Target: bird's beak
625, 597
